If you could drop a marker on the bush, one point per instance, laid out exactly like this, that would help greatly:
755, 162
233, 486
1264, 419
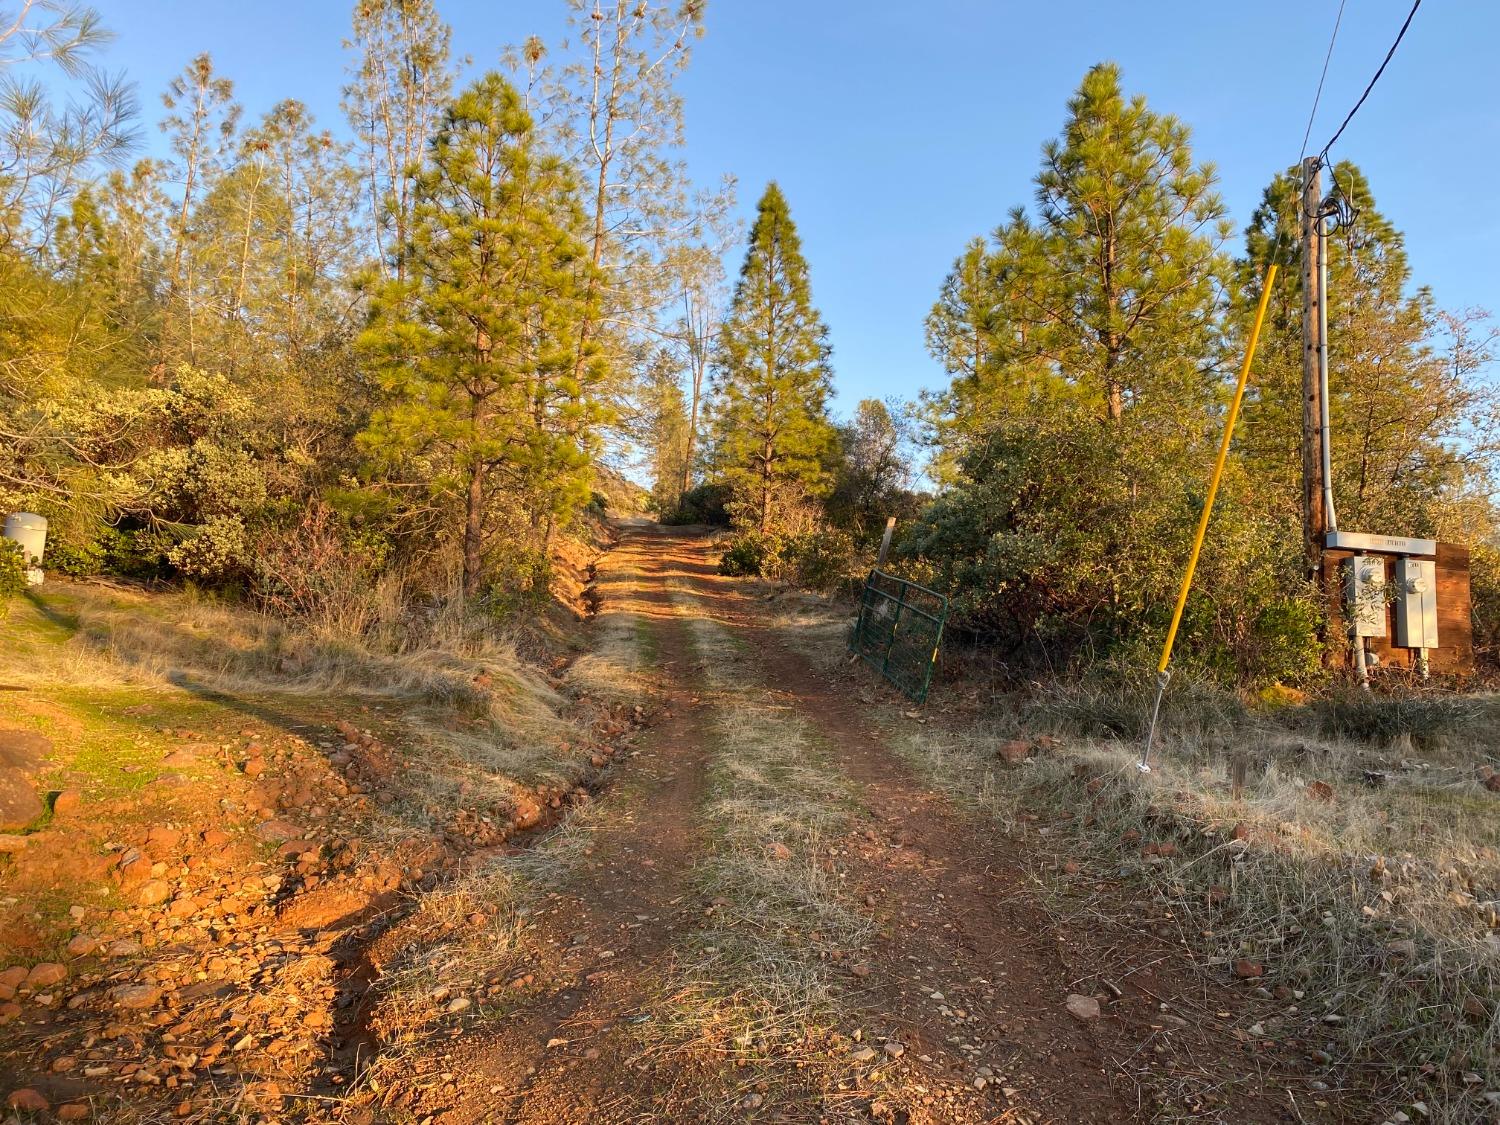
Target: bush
12, 569
820, 560
129, 554
522, 577
322, 571
751, 554
706, 504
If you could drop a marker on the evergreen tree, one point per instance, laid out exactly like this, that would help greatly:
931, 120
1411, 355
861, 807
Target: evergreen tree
201, 121
665, 421
771, 382
1086, 347
397, 88
1126, 253
1412, 429
476, 348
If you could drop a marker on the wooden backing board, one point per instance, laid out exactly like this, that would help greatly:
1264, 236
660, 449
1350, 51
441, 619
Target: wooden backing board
1455, 651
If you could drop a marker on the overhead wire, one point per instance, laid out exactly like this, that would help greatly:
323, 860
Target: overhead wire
1400, 35
1318, 97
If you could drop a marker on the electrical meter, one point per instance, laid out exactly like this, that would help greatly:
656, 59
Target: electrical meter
1416, 603
1364, 593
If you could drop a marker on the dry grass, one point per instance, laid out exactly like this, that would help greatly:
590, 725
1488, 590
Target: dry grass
753, 987
1378, 907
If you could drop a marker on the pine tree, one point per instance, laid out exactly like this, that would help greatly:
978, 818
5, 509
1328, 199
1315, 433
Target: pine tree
397, 88
771, 382
201, 121
1411, 426
962, 324
1125, 270
665, 421
476, 347
1101, 306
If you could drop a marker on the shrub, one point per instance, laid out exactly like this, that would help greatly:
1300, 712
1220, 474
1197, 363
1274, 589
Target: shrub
820, 560
751, 554
320, 570
706, 504
522, 577
12, 569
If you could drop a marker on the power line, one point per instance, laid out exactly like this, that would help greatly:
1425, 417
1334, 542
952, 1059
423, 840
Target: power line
1321, 78
1323, 155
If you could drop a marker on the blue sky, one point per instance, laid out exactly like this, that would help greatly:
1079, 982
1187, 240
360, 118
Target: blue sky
898, 130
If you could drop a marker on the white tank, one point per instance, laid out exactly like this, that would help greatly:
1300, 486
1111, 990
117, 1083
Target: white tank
29, 530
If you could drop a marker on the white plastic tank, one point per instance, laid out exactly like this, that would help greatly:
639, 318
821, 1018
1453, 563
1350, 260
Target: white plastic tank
29, 530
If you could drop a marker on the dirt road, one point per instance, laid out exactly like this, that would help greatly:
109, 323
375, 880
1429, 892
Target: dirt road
768, 917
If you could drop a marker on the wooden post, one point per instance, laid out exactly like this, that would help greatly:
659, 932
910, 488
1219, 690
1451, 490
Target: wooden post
1314, 517
885, 542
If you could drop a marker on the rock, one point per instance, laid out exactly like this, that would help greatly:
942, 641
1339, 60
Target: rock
66, 803
160, 839
458, 1004
1083, 1007
861, 970
19, 803
74, 1111
124, 948
134, 868
46, 974
1249, 970
1320, 791
137, 996
215, 837
154, 891
277, 831
180, 757
10, 844
27, 1100
253, 767
1475, 1008
862, 1055
1492, 782
895, 1050
81, 945
778, 851
23, 750
1013, 752
1406, 947
10, 980
1241, 831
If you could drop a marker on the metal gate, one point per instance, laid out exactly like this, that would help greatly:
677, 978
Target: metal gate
899, 630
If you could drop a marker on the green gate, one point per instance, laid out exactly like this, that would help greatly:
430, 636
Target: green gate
899, 630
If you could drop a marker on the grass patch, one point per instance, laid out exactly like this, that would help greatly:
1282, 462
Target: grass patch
754, 988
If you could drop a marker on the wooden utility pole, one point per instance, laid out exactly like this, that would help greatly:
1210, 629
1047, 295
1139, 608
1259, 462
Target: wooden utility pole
1314, 514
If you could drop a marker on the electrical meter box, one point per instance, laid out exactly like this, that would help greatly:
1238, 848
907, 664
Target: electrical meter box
1416, 611
1364, 594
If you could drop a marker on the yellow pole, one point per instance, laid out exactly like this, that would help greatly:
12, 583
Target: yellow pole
1208, 503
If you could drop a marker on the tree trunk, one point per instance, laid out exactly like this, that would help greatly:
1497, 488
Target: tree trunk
473, 530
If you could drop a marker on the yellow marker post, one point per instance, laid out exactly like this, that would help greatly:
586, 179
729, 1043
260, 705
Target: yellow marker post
1162, 675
